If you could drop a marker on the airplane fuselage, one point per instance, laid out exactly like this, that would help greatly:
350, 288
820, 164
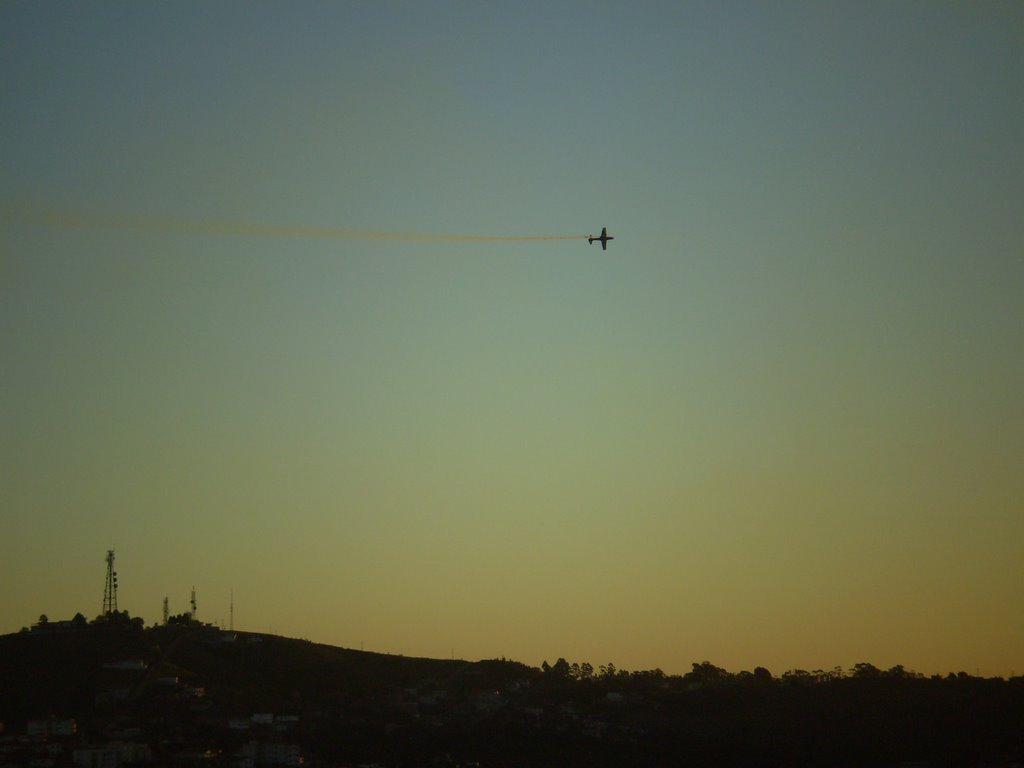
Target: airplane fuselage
603, 239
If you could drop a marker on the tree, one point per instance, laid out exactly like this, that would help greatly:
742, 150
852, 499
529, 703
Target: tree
121, 619
647, 679
43, 620
560, 669
706, 673
797, 676
864, 670
900, 672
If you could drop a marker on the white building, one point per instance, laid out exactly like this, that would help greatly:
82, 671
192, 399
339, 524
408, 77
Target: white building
112, 755
52, 726
267, 753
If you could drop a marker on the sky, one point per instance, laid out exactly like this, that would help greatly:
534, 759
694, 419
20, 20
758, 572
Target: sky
778, 422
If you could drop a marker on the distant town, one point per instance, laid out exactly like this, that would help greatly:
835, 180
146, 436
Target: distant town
110, 692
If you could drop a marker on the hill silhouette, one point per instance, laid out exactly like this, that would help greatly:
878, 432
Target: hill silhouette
189, 690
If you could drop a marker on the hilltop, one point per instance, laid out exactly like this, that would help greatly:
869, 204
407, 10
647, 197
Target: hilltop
73, 671
169, 694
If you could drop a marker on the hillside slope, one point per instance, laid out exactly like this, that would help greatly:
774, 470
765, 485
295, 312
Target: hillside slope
183, 691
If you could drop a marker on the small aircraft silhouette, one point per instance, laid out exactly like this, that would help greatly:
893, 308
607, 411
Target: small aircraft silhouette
603, 239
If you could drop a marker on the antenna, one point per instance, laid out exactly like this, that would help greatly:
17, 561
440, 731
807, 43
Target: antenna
193, 602
232, 614
110, 588
165, 610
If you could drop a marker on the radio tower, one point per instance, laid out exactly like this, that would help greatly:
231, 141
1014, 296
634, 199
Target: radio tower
110, 589
165, 611
193, 603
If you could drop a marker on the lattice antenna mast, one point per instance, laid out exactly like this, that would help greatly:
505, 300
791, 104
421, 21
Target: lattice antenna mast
193, 603
232, 614
110, 589
165, 611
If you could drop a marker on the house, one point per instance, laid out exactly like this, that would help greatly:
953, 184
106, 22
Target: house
112, 755
133, 664
52, 726
262, 753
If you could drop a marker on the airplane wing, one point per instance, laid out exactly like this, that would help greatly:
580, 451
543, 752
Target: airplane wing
604, 244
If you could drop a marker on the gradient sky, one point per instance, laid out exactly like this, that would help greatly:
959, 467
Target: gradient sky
779, 422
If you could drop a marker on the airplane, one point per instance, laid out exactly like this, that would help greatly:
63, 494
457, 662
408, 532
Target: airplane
603, 239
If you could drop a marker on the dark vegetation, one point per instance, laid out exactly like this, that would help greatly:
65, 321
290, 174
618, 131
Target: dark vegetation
355, 707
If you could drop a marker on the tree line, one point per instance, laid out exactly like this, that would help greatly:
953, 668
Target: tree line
705, 673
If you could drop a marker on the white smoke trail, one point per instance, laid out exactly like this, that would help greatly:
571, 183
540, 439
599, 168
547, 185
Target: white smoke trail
91, 219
